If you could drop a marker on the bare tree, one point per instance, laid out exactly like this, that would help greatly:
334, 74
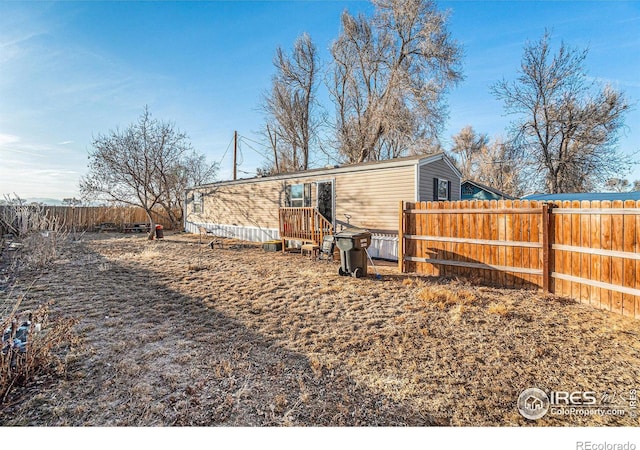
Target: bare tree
469, 149
291, 124
389, 75
618, 185
192, 169
149, 164
497, 165
567, 128
491, 162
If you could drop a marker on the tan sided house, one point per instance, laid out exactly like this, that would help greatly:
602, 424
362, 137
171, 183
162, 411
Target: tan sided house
363, 195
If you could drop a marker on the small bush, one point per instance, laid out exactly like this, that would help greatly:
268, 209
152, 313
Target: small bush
33, 346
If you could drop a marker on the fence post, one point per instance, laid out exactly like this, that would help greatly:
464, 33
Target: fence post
401, 237
546, 222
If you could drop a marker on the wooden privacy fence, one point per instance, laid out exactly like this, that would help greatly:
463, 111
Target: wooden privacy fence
588, 251
86, 218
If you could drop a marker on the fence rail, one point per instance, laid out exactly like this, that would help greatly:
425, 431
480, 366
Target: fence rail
588, 251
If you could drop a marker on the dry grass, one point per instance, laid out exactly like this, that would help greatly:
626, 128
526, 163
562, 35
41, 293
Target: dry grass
254, 338
499, 308
445, 296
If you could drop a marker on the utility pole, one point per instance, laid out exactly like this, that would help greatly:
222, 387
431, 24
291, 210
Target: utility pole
274, 144
500, 161
235, 154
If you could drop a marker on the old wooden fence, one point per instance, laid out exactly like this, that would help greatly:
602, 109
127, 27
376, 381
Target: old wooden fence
588, 251
83, 218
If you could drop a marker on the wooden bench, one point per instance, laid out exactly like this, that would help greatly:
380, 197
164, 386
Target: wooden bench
136, 228
108, 226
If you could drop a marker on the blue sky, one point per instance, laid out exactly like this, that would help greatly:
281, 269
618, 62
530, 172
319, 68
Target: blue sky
70, 70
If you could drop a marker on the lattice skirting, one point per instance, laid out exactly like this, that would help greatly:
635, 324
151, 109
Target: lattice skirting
384, 246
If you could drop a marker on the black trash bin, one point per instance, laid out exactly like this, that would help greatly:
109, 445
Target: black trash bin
352, 244
159, 232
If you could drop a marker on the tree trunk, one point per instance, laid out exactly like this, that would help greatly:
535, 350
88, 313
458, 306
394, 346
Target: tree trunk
152, 226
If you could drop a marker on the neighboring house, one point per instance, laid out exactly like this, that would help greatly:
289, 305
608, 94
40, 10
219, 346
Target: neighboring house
590, 196
472, 190
365, 195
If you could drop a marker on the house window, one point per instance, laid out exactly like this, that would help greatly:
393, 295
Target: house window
441, 189
198, 202
299, 195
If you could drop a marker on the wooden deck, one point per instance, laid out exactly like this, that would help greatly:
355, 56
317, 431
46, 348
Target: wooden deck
305, 225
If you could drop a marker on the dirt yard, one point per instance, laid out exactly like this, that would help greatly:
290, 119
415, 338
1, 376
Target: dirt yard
175, 333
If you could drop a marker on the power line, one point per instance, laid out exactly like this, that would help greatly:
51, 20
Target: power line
241, 158
242, 138
225, 152
255, 142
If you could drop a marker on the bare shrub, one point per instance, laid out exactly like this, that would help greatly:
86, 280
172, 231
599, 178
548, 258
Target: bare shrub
32, 346
35, 233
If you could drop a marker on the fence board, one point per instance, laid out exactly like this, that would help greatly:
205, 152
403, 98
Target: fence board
421, 228
629, 265
508, 251
575, 257
441, 247
485, 235
463, 222
465, 255
536, 254
585, 260
516, 222
594, 258
525, 235
556, 285
617, 223
436, 252
605, 262
566, 256
428, 268
502, 254
410, 245
637, 298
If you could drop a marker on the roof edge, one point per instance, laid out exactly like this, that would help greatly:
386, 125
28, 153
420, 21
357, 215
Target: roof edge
489, 188
369, 165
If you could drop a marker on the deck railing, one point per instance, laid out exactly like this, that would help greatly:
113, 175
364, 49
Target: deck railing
303, 224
